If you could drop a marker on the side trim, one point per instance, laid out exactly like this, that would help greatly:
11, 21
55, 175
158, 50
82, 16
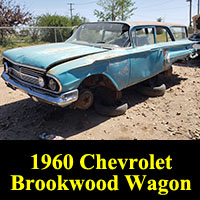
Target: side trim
71, 59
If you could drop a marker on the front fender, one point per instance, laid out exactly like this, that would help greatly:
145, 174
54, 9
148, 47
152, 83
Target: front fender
117, 70
72, 80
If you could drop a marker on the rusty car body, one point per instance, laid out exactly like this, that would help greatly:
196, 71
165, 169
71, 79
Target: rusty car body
113, 55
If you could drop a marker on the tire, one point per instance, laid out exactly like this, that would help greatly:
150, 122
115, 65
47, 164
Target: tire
152, 91
107, 96
111, 111
85, 99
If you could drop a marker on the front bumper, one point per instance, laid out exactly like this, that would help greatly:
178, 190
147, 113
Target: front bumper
62, 100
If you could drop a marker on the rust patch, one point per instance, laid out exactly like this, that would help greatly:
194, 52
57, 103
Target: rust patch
165, 55
97, 81
168, 73
60, 49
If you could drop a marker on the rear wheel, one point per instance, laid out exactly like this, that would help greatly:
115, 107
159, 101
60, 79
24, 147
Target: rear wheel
152, 91
152, 87
108, 102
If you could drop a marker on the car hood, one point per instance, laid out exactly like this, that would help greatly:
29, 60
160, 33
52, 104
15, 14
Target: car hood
44, 56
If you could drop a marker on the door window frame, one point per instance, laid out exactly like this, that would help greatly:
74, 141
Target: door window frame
154, 30
167, 30
184, 27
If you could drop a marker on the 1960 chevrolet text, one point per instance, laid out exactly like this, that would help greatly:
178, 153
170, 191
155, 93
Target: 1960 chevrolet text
113, 55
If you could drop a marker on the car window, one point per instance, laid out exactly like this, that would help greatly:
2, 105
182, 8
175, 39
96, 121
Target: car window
85, 35
179, 33
143, 36
162, 35
102, 34
121, 39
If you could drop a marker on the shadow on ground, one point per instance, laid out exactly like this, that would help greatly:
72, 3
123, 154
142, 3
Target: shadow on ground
193, 63
26, 119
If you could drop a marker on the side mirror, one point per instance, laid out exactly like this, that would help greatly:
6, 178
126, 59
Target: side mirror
74, 28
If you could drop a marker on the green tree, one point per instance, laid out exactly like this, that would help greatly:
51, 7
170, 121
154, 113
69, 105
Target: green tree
114, 10
57, 20
160, 19
48, 20
52, 20
159, 30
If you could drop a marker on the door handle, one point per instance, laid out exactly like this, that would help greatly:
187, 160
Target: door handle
158, 50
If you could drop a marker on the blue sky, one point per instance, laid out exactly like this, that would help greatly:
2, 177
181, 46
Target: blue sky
176, 11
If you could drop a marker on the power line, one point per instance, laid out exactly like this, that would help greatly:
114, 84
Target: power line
86, 3
156, 16
169, 8
165, 9
153, 5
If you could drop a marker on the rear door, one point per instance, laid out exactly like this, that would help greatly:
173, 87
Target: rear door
148, 56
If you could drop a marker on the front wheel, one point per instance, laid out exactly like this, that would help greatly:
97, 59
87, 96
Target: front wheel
107, 96
85, 100
110, 111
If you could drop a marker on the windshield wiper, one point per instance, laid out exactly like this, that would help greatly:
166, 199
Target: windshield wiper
100, 42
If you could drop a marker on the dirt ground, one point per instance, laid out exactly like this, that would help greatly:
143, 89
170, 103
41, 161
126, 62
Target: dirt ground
175, 116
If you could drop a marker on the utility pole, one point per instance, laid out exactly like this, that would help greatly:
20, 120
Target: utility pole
122, 11
71, 9
113, 8
190, 14
198, 7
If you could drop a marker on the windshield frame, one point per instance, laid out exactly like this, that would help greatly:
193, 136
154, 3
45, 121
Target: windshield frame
103, 45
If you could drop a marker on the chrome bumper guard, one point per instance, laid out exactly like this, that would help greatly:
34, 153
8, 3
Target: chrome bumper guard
62, 100
194, 55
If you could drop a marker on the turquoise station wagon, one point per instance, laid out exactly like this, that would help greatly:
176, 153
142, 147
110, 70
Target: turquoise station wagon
111, 55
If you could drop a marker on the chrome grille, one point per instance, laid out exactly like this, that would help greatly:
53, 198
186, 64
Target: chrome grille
24, 77
31, 72
24, 74
29, 75
14, 66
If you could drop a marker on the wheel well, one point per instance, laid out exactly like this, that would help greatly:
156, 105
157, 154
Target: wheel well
96, 81
102, 87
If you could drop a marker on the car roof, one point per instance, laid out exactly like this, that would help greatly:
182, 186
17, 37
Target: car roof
143, 23
133, 23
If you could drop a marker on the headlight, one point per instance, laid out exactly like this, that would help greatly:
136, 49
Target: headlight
6, 67
41, 82
52, 84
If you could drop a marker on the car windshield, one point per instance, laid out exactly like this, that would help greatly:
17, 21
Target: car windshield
102, 34
179, 33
